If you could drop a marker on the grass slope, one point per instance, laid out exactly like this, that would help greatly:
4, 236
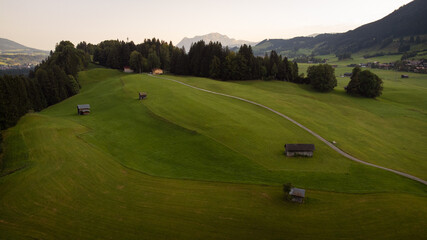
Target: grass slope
83, 177
389, 131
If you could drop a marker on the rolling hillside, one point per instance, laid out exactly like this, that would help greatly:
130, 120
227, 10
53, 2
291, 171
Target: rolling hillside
185, 164
13, 53
409, 20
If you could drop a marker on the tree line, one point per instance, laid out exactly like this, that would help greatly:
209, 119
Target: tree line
52, 81
214, 61
203, 60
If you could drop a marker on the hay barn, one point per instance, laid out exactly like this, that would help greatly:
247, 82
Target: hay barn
303, 150
83, 109
297, 195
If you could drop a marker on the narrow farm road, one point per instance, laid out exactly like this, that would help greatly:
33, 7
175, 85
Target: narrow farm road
303, 127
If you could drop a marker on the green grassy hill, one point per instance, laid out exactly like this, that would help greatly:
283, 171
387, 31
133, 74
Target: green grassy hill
186, 164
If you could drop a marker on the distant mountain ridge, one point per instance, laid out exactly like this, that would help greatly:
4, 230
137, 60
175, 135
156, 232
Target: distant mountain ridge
408, 20
15, 55
9, 46
214, 37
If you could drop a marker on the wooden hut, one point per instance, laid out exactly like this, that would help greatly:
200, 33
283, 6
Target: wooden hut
297, 195
295, 150
83, 109
142, 95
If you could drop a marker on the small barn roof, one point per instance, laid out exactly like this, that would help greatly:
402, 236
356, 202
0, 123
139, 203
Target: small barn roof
298, 192
82, 106
299, 147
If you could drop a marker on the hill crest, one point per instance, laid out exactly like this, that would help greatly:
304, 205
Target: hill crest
407, 21
9, 46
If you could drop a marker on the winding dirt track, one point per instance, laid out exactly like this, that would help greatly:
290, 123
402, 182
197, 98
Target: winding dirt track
303, 127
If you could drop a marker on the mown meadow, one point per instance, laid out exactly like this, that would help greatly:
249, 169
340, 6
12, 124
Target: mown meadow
188, 164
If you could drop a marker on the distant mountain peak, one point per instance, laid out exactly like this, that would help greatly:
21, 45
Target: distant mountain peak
213, 37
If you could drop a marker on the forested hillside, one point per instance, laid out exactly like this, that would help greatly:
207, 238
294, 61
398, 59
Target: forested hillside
408, 24
52, 81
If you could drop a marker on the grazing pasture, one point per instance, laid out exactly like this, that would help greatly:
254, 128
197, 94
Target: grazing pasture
185, 164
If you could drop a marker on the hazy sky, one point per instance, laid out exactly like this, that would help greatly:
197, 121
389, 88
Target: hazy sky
43, 23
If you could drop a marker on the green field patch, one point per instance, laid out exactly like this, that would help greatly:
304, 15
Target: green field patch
75, 190
377, 131
179, 132
123, 171
16, 158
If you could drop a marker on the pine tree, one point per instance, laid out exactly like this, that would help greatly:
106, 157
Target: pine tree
215, 68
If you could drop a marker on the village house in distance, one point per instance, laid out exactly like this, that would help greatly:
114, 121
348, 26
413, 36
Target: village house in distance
157, 71
127, 69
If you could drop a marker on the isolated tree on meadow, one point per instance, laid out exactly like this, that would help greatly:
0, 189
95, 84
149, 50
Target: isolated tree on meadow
322, 77
370, 84
364, 83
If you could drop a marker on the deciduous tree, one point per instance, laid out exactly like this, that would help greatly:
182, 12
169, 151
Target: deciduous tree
322, 77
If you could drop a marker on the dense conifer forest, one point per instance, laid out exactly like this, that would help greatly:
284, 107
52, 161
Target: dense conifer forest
52, 81
203, 60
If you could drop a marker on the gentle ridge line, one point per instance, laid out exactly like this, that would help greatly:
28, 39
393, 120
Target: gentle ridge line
303, 127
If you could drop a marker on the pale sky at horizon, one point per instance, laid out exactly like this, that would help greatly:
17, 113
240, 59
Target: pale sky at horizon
43, 23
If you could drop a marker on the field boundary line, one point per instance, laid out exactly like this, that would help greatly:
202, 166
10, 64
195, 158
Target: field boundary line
303, 127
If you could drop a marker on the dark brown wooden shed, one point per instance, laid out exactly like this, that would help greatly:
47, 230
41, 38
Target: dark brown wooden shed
142, 95
83, 109
297, 195
304, 150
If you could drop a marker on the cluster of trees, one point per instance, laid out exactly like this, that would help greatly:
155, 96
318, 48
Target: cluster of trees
343, 56
204, 60
144, 57
214, 61
52, 81
15, 71
364, 83
308, 59
408, 55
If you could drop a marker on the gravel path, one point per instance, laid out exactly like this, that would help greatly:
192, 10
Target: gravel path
305, 128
